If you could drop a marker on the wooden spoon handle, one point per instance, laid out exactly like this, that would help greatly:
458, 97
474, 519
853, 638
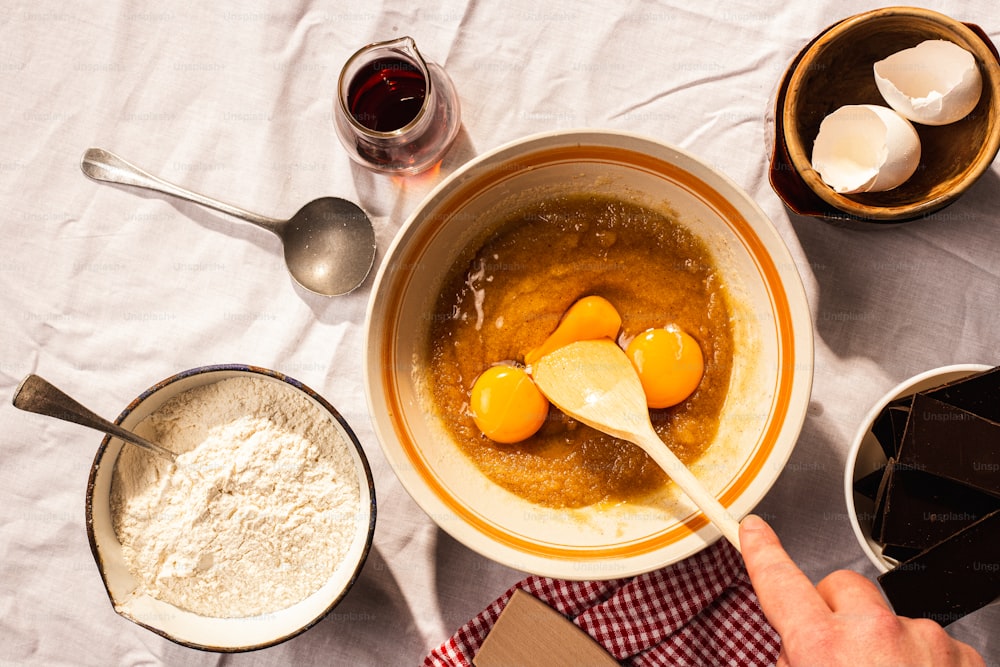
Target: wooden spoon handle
690, 485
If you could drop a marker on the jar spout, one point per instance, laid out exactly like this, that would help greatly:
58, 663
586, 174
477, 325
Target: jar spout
405, 45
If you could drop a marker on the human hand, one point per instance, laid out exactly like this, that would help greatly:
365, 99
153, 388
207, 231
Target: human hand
843, 620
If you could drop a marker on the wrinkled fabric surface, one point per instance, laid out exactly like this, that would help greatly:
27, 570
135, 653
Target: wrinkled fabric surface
108, 289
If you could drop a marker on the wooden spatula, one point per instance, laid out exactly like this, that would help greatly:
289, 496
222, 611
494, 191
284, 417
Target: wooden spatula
529, 633
594, 381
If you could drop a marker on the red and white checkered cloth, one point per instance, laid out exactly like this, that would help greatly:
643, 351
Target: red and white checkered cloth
701, 611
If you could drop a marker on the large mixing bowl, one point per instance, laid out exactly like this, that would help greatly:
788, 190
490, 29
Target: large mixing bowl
769, 386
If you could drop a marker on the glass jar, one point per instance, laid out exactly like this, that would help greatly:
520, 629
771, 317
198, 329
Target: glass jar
395, 113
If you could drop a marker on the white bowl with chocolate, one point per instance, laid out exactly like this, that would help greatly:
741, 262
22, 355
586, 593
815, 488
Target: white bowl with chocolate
482, 272
922, 487
257, 530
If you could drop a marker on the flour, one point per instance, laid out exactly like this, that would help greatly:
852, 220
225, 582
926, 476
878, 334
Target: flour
259, 510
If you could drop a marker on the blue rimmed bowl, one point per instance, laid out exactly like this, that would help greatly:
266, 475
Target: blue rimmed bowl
183, 626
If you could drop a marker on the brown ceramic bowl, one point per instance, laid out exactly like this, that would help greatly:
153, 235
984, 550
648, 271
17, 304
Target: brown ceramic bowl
836, 69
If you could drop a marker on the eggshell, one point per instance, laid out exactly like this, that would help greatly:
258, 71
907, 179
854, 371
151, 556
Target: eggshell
865, 148
934, 83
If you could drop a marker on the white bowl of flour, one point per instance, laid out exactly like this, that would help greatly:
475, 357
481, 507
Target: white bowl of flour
258, 530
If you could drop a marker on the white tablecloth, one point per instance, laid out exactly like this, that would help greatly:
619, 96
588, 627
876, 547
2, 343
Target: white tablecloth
107, 290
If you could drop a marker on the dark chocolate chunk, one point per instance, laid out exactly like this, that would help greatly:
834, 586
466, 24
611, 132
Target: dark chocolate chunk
921, 509
867, 485
948, 441
901, 402
888, 429
978, 394
899, 553
880, 499
950, 579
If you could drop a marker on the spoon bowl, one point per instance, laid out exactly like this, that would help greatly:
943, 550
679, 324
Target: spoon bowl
593, 381
329, 244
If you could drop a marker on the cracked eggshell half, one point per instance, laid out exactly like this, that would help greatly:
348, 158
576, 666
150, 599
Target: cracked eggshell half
865, 148
934, 83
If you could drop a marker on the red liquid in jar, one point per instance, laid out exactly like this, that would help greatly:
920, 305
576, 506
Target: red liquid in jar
386, 94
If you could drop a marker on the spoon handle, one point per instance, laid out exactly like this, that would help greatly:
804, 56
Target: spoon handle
690, 485
35, 394
102, 165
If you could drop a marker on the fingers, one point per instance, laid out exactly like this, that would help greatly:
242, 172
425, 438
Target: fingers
844, 619
786, 595
843, 589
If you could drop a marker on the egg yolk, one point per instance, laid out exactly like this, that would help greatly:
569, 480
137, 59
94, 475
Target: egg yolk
590, 318
506, 405
669, 363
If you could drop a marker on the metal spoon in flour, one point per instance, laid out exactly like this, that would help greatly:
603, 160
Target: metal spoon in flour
329, 244
35, 394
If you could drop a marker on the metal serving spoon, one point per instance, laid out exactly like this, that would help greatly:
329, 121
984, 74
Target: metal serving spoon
329, 244
38, 395
594, 382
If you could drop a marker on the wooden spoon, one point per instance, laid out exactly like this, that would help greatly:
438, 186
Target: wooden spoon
594, 382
